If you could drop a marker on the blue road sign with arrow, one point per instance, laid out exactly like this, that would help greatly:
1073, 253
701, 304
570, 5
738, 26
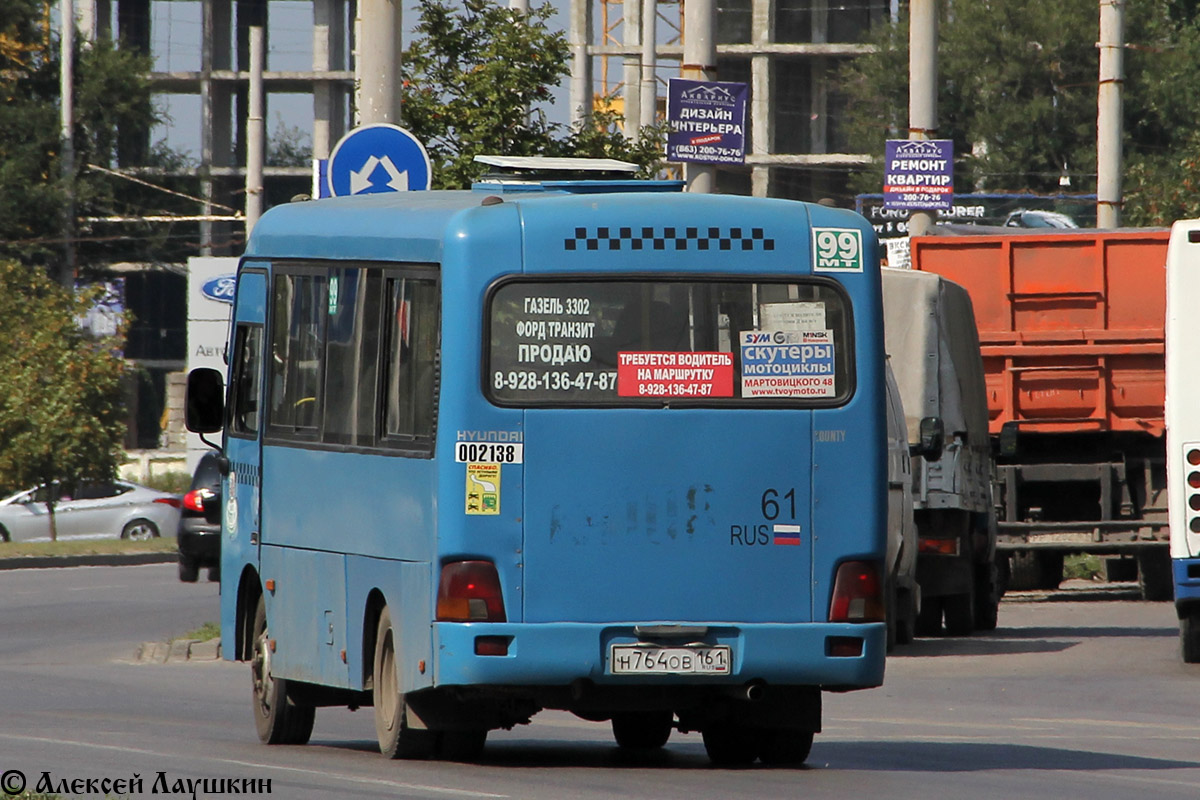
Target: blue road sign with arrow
378, 158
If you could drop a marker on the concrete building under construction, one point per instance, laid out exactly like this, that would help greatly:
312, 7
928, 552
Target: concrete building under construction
786, 50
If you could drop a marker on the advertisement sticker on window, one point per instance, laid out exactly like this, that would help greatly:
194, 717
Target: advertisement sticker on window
787, 364
650, 374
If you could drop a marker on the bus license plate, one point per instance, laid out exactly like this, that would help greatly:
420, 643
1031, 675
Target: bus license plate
642, 659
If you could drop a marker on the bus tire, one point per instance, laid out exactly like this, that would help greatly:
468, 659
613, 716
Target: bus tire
1189, 637
784, 748
730, 745
642, 730
396, 739
277, 719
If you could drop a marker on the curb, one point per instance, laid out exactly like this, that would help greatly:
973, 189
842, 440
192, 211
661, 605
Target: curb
93, 560
178, 651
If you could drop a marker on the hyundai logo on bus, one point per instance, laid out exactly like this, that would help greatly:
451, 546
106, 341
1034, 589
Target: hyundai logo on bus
220, 288
918, 175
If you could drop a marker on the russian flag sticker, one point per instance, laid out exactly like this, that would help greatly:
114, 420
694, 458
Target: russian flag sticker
787, 534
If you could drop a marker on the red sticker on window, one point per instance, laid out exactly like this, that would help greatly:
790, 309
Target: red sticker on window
682, 375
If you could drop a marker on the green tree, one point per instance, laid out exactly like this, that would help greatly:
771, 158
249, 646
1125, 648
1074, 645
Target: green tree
61, 417
1017, 95
111, 94
471, 76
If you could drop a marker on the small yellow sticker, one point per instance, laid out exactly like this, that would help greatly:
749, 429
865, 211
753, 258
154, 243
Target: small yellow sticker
483, 488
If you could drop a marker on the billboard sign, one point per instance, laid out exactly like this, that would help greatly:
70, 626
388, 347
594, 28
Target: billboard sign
918, 175
706, 121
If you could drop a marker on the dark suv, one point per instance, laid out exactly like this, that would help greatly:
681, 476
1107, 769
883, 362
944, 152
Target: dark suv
200, 523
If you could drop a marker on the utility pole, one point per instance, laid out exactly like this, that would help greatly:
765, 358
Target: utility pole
648, 102
378, 64
922, 87
631, 68
699, 64
255, 131
66, 274
1109, 127
578, 36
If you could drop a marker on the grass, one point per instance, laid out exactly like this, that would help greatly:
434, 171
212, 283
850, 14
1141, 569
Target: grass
1082, 567
84, 547
172, 482
209, 630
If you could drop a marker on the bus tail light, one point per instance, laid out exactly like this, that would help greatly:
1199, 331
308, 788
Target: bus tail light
857, 594
469, 591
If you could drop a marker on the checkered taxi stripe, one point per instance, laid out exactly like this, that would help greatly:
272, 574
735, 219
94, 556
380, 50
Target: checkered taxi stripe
669, 239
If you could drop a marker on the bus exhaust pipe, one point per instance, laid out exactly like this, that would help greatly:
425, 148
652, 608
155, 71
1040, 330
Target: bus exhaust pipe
751, 692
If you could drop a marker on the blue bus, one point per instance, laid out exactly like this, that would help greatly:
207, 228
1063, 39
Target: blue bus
594, 445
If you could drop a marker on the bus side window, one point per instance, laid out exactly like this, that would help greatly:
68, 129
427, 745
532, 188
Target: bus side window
247, 364
297, 339
352, 357
412, 347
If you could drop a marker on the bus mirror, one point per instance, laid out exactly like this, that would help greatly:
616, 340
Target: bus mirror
933, 439
204, 409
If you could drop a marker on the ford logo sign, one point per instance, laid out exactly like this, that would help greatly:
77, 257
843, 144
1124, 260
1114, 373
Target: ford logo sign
220, 288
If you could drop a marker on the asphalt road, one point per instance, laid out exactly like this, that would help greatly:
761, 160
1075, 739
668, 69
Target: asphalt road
1065, 700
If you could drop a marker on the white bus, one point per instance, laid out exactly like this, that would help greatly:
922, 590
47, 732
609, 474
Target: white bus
1183, 427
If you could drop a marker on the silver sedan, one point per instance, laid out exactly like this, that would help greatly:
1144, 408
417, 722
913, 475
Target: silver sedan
90, 510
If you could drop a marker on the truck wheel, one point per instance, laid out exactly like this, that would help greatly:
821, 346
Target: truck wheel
277, 719
396, 739
730, 745
642, 730
1032, 570
987, 598
929, 618
1051, 569
1154, 575
784, 748
1189, 637
960, 614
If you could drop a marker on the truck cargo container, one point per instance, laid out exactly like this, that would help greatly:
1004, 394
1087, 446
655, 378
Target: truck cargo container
933, 348
1071, 326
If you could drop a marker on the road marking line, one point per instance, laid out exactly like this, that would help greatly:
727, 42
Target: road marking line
257, 765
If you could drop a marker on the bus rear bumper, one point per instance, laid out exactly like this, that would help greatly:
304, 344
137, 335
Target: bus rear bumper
833, 656
1186, 572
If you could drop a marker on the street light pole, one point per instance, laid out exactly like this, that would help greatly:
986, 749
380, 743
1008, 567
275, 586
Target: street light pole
66, 274
1108, 113
699, 64
922, 87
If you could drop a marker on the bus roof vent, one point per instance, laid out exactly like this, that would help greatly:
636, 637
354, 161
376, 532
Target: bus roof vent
571, 175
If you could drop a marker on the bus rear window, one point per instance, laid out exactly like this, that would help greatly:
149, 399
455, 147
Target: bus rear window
638, 342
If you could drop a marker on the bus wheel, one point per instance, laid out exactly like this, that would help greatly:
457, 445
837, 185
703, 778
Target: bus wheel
642, 730
730, 745
277, 718
784, 748
1189, 637
396, 739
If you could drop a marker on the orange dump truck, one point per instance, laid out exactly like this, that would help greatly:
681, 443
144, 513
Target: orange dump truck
1071, 327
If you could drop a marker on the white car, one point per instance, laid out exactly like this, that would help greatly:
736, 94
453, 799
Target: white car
90, 510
